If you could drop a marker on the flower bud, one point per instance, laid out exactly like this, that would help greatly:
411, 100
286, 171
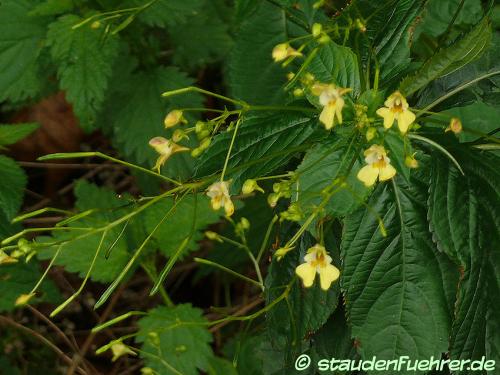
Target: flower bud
244, 223
213, 236
250, 186
272, 199
283, 51
179, 135
23, 299
147, 371
455, 126
317, 28
119, 349
173, 118
298, 92
370, 134
281, 252
6, 259
324, 39
411, 162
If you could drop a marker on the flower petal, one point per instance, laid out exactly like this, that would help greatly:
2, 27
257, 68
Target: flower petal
327, 116
368, 175
327, 275
229, 207
387, 115
307, 273
405, 119
386, 172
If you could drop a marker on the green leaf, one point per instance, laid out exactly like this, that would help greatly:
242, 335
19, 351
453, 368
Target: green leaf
20, 278
52, 8
202, 39
306, 309
20, 45
475, 126
164, 13
450, 59
321, 166
175, 338
439, 13
396, 286
389, 27
219, 366
135, 111
465, 224
179, 225
10, 134
396, 146
263, 144
253, 75
12, 187
336, 64
76, 254
85, 61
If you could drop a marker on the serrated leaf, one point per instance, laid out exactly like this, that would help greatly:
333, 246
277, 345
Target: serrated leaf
321, 166
168, 343
179, 225
52, 8
76, 254
10, 134
267, 136
336, 64
20, 278
396, 286
85, 60
438, 15
253, 75
135, 112
12, 187
465, 222
20, 45
388, 33
164, 13
203, 39
450, 59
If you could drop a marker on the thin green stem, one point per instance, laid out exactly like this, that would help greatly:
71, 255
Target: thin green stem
228, 270
226, 162
205, 92
266, 238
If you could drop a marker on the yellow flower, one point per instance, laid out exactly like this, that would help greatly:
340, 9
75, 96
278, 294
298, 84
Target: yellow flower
318, 261
165, 148
411, 162
396, 108
283, 51
219, 194
119, 349
330, 97
455, 125
378, 166
6, 259
173, 118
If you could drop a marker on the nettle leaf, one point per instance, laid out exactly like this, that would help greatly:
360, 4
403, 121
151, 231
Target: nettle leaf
263, 144
466, 225
20, 278
175, 340
292, 321
201, 39
21, 39
12, 187
253, 75
438, 15
477, 80
85, 59
336, 64
321, 166
476, 126
76, 254
164, 13
389, 28
191, 212
450, 59
396, 287
10, 134
52, 7
135, 113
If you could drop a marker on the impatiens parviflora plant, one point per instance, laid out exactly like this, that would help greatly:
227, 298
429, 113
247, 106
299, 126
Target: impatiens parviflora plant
375, 159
